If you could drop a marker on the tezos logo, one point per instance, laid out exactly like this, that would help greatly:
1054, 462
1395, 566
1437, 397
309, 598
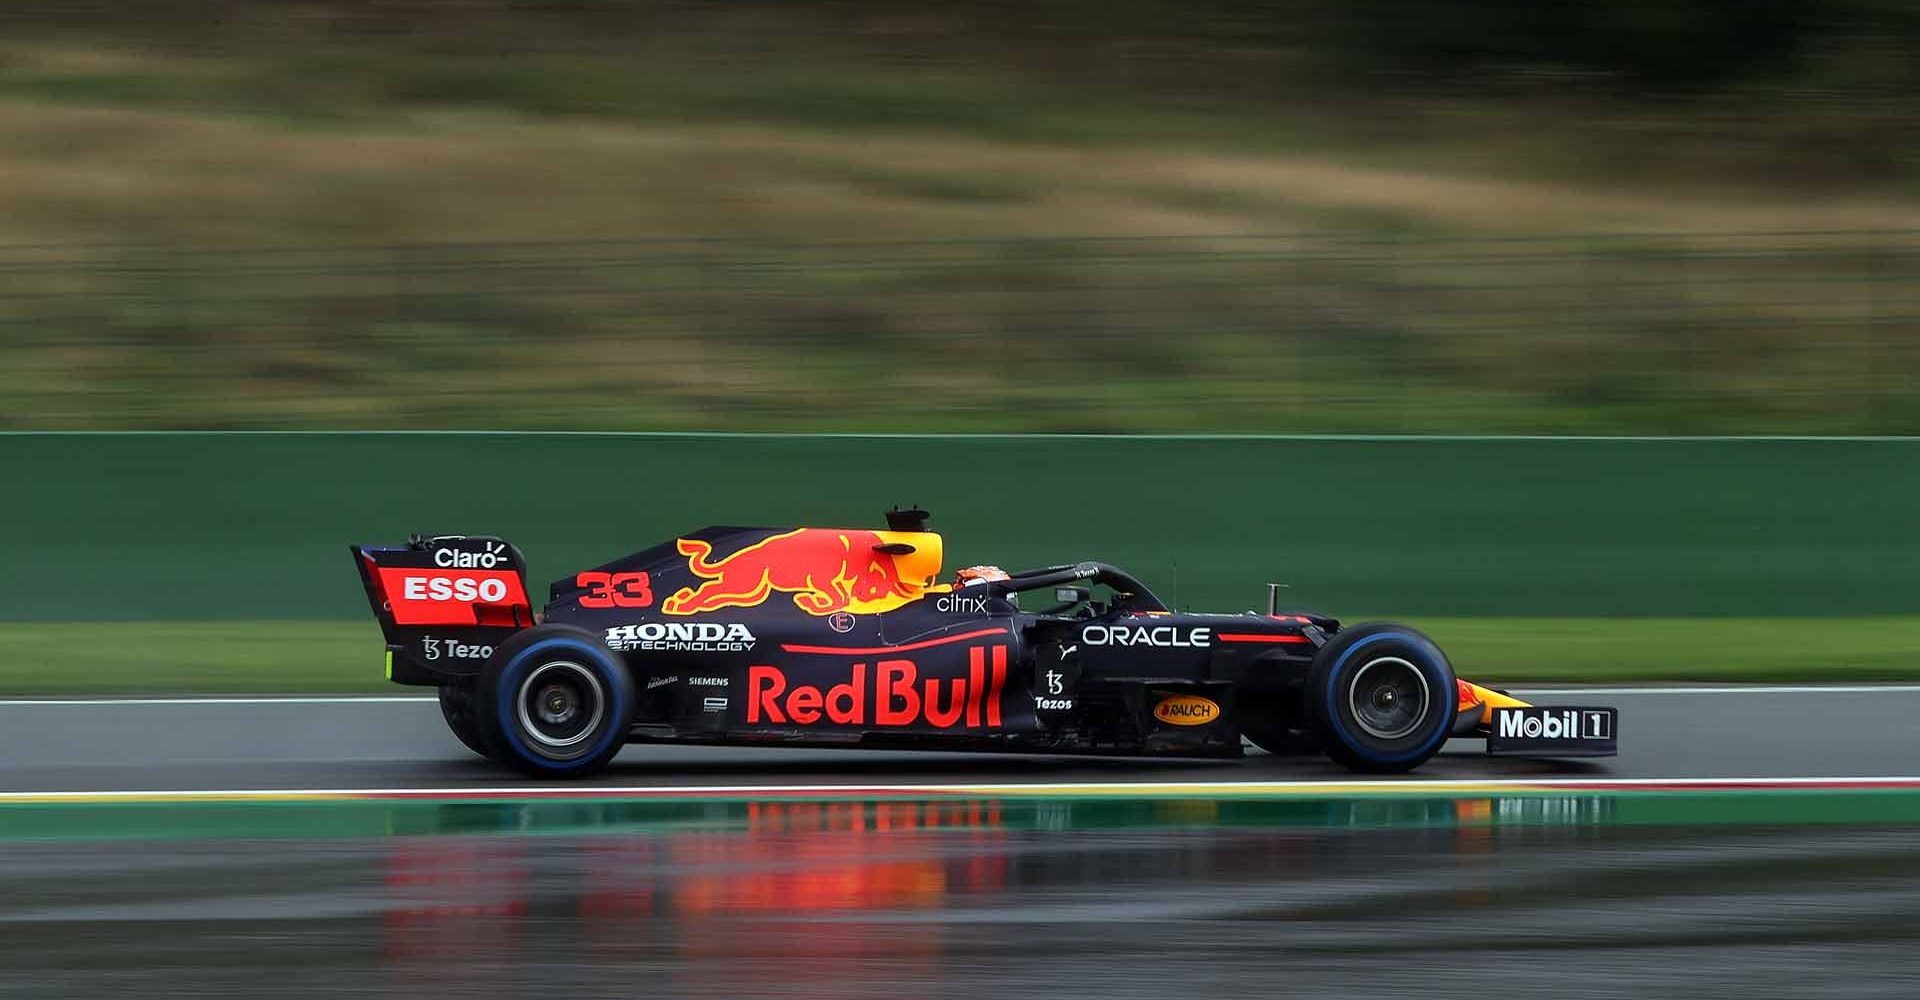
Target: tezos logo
683, 637
962, 604
1166, 636
1050, 689
454, 649
492, 556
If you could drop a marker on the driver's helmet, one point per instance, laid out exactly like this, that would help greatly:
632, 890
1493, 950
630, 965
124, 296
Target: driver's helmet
980, 574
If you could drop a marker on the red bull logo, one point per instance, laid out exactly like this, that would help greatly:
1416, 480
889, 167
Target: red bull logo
892, 694
827, 570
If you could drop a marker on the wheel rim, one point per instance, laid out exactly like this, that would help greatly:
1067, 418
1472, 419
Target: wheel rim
1388, 698
561, 705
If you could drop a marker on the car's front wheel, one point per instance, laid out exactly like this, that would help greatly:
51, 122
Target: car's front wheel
555, 702
1382, 697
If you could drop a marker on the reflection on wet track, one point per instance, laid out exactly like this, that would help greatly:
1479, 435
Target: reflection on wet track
1571, 896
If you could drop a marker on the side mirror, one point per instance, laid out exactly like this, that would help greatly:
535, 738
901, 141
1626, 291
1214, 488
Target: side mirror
1065, 599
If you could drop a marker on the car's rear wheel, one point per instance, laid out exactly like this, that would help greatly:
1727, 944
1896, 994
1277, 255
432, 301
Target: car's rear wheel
457, 707
555, 702
1382, 697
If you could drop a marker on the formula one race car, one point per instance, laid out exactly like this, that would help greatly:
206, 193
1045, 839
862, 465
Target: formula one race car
845, 637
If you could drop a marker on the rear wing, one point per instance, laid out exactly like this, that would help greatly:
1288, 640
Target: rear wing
444, 602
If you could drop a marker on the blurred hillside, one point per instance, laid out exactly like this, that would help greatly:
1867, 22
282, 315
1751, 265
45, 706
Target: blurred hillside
1132, 215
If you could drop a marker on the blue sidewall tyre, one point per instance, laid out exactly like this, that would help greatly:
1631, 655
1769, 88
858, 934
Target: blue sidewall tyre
608, 670
1355, 750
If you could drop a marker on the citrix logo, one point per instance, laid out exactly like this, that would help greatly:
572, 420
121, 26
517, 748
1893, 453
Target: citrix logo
962, 604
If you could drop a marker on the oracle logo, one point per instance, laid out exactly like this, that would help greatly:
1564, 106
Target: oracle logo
1167, 636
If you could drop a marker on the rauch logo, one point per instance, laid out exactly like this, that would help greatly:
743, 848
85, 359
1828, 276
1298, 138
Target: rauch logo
1186, 710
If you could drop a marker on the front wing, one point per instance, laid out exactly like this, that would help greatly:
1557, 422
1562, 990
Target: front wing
1515, 728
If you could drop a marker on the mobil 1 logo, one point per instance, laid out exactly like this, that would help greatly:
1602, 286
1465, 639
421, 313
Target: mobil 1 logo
1555, 731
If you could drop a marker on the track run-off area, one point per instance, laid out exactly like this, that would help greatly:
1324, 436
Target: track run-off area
282, 847
181, 749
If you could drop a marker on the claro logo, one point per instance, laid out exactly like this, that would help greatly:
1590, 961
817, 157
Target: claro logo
1186, 710
492, 556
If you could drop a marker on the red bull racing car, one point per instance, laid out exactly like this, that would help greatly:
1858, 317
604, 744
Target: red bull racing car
848, 637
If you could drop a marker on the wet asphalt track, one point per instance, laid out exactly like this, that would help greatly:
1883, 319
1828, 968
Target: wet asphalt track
965, 898
816, 902
1844, 732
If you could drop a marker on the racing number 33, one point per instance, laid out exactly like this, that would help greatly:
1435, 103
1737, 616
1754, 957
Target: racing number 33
614, 590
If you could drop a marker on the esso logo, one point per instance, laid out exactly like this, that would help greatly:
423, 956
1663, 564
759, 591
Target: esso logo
464, 589
416, 595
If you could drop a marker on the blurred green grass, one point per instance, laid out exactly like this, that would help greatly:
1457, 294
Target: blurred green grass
346, 657
746, 200
1704, 334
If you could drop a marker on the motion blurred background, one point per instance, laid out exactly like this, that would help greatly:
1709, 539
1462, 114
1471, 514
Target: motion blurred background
1276, 216
1466, 217
1580, 334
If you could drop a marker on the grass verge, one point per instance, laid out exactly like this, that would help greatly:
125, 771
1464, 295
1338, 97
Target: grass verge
345, 657
720, 224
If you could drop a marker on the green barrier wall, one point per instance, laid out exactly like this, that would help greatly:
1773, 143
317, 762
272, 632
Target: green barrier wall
205, 526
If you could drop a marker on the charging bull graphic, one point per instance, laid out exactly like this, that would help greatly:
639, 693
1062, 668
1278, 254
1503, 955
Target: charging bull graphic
827, 570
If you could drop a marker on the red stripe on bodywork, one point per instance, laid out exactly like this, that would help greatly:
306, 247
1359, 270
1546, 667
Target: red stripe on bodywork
883, 650
1259, 637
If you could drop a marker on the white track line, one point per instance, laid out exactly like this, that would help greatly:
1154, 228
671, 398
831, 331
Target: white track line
1572, 692
1345, 787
